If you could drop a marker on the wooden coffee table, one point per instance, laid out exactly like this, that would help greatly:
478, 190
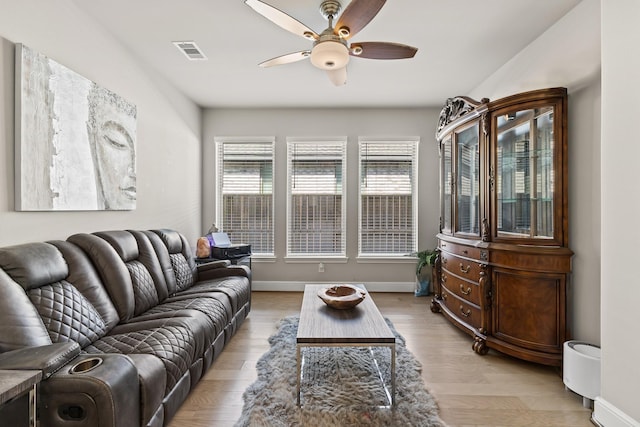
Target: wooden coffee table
361, 326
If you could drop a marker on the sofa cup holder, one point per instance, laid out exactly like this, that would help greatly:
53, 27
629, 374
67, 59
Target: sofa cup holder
86, 365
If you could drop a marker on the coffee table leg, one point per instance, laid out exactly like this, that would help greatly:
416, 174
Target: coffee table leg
393, 376
298, 374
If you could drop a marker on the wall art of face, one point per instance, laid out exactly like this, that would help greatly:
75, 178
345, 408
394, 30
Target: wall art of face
112, 125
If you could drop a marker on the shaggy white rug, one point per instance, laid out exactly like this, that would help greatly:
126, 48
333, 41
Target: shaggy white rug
342, 386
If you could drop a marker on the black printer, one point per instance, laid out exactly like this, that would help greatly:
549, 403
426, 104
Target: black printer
222, 248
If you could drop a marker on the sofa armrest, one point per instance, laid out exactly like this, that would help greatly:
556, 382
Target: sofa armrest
47, 358
220, 272
212, 265
104, 394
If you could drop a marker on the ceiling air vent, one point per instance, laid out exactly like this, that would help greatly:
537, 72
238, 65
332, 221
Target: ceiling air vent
190, 50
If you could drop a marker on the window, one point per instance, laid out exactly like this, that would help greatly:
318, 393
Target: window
388, 205
245, 192
316, 213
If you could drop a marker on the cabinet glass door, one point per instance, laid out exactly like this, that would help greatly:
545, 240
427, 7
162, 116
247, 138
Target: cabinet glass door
468, 181
524, 173
446, 181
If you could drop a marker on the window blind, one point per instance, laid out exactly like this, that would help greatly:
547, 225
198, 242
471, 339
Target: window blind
315, 220
387, 217
245, 193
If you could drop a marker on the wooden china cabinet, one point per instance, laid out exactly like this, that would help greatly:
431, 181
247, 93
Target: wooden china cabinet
504, 264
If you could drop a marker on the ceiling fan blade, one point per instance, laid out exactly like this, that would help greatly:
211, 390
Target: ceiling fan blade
357, 15
286, 59
338, 77
382, 50
281, 19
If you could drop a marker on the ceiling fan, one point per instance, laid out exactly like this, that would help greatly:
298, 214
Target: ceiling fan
331, 49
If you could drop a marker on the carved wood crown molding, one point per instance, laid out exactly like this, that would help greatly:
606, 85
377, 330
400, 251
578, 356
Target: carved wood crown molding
457, 107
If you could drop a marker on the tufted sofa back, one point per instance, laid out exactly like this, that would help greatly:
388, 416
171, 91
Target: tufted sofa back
175, 254
37, 286
129, 267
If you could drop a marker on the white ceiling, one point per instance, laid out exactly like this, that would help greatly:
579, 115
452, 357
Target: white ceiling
460, 43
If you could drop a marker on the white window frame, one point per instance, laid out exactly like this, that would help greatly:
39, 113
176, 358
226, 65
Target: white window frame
415, 141
312, 257
219, 143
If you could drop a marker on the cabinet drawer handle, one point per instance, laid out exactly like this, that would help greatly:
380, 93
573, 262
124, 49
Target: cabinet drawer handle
465, 313
467, 291
444, 278
465, 252
463, 269
444, 296
444, 245
444, 260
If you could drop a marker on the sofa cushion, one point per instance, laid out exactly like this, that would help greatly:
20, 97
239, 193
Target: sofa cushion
85, 278
122, 242
173, 344
144, 289
234, 287
172, 240
112, 271
147, 277
33, 264
134, 285
182, 271
234, 282
215, 308
164, 259
67, 314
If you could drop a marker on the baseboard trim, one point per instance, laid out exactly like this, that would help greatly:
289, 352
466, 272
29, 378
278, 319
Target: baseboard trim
605, 414
405, 287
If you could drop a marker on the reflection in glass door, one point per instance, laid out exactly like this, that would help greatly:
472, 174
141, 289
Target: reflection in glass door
468, 181
447, 184
545, 179
524, 173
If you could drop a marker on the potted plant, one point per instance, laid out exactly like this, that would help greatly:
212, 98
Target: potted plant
426, 260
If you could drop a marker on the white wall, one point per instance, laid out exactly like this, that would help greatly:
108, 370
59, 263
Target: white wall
567, 54
620, 212
584, 211
168, 127
283, 123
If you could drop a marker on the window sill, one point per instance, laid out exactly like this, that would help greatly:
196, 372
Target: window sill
316, 259
263, 258
371, 259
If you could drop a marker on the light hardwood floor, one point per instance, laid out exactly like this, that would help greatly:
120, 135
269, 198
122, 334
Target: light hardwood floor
471, 390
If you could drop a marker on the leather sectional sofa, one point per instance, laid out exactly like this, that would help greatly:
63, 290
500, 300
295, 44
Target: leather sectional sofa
122, 324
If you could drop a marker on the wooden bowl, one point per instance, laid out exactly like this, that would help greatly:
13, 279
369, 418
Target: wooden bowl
342, 297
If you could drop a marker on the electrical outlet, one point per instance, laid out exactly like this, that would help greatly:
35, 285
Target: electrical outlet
321, 267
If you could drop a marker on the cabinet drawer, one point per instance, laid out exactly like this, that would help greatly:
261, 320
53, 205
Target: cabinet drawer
462, 309
464, 251
461, 267
469, 291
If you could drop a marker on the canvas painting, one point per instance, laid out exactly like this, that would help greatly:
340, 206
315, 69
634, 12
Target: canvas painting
75, 140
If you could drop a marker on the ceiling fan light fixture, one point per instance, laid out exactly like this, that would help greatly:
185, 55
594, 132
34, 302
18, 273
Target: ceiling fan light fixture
330, 55
356, 50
